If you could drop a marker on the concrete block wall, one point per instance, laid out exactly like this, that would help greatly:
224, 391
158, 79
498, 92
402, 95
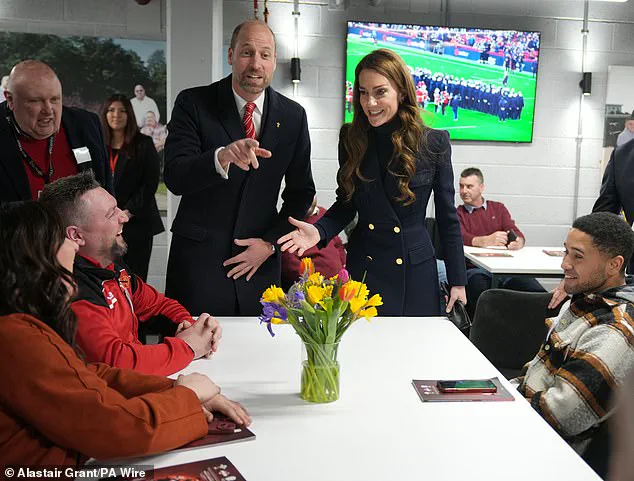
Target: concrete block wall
536, 180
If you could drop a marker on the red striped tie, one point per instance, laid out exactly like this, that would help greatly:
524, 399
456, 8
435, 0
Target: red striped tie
247, 120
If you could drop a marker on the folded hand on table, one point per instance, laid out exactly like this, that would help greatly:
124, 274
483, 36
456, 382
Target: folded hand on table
202, 337
234, 410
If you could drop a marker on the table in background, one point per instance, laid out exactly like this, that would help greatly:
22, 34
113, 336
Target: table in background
526, 262
379, 429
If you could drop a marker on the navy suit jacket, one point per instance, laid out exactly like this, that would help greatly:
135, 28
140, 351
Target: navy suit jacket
214, 211
390, 245
617, 186
82, 129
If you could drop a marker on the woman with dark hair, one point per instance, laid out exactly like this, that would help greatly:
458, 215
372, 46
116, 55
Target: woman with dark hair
135, 166
54, 408
389, 164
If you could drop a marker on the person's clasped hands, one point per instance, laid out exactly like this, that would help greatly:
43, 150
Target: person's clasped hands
202, 336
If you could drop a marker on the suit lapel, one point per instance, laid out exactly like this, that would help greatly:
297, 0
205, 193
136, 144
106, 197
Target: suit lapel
272, 120
370, 169
228, 111
12, 162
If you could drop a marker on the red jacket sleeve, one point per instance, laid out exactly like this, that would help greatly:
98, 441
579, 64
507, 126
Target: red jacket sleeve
148, 302
103, 339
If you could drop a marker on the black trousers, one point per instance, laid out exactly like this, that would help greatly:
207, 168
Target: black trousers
479, 280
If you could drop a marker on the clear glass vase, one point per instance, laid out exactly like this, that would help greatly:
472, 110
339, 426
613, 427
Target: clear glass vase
320, 373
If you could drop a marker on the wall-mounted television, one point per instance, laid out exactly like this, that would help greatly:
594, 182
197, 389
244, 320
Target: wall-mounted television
479, 84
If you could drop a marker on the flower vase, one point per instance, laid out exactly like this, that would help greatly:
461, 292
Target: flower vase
320, 373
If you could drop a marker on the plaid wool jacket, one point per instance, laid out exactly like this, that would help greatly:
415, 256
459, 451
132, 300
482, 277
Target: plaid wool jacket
588, 353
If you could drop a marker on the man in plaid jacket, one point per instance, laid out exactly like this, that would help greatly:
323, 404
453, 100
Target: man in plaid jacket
589, 348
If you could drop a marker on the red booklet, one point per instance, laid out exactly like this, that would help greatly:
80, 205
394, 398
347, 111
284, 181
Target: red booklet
216, 469
222, 430
428, 391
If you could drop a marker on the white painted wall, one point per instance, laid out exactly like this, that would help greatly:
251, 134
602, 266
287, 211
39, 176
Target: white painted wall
536, 181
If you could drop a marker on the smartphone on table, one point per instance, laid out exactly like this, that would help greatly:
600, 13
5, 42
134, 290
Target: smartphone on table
465, 386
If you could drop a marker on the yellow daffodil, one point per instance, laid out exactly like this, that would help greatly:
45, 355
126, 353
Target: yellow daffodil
368, 313
374, 301
316, 279
315, 294
356, 304
306, 265
273, 294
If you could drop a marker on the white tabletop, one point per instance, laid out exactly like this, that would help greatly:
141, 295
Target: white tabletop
528, 261
379, 429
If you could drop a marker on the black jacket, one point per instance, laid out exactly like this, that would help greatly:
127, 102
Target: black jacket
617, 186
136, 179
390, 245
214, 211
82, 129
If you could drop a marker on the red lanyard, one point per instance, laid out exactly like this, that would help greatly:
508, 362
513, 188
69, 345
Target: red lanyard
113, 160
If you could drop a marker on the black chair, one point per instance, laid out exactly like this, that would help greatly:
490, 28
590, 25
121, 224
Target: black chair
508, 327
597, 454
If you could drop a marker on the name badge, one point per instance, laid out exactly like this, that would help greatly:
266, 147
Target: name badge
82, 155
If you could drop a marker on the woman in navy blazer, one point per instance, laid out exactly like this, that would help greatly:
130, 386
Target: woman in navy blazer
135, 166
389, 164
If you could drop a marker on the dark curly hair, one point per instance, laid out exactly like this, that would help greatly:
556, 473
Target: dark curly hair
409, 139
610, 234
32, 281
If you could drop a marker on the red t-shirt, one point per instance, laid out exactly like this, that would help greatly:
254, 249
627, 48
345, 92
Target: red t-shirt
64, 163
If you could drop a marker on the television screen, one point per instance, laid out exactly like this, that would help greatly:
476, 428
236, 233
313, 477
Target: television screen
479, 84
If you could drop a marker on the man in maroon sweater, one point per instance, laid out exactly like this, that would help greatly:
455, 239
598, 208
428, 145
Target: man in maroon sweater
486, 223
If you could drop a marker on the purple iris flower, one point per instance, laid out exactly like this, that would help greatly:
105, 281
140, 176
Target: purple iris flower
271, 310
296, 296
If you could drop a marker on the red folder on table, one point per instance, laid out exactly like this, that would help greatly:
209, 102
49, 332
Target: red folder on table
216, 469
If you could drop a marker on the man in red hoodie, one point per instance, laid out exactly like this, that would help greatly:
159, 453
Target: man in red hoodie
486, 223
111, 300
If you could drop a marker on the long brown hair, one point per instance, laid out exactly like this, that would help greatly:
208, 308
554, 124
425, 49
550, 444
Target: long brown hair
407, 139
32, 281
131, 128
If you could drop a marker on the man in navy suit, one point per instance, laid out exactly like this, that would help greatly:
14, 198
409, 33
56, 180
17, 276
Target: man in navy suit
230, 146
617, 187
41, 140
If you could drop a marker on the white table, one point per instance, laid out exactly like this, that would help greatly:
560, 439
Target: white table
378, 429
528, 262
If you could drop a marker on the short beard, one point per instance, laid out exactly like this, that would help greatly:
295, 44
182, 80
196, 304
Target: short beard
118, 250
594, 283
